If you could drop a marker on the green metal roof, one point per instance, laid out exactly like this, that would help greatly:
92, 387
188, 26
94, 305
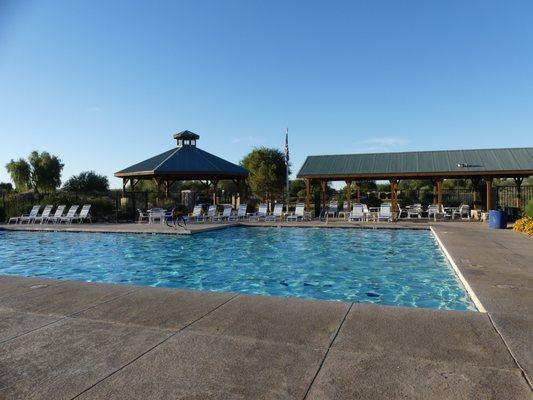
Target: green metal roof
451, 163
185, 161
186, 135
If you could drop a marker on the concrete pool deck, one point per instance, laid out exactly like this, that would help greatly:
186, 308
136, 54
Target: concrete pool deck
64, 339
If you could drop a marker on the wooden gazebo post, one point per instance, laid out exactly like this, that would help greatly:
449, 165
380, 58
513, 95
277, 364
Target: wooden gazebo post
439, 191
488, 183
307, 193
357, 191
324, 184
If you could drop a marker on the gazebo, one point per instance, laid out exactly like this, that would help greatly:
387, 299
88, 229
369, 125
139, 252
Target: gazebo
477, 165
185, 162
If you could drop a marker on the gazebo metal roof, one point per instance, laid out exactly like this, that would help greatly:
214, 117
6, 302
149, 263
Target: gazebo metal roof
184, 162
508, 162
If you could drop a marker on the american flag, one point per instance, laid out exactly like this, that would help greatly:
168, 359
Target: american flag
287, 146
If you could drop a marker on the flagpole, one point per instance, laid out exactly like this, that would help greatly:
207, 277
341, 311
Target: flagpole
287, 168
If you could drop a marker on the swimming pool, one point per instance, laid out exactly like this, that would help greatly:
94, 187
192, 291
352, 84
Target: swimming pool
394, 267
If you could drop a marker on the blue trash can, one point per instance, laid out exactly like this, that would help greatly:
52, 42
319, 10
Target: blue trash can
497, 219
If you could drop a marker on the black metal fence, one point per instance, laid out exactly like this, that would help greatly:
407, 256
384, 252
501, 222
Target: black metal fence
115, 206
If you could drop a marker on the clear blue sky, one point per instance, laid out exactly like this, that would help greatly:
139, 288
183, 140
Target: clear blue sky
105, 84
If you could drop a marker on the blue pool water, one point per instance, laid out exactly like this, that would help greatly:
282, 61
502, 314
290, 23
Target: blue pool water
393, 267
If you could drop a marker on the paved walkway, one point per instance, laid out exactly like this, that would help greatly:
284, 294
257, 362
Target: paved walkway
61, 339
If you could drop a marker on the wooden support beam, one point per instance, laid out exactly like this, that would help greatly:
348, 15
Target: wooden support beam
435, 201
488, 184
357, 191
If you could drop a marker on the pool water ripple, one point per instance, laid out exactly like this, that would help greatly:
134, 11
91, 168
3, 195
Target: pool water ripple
391, 267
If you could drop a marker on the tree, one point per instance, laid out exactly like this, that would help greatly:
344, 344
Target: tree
297, 188
267, 171
6, 187
20, 172
87, 182
41, 172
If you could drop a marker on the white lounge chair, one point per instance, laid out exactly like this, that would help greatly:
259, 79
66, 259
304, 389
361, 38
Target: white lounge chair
260, 214
83, 215
401, 211
156, 214
357, 213
241, 213
463, 212
195, 214
385, 212
344, 212
226, 213
143, 216
298, 214
44, 216
33, 213
57, 215
369, 216
434, 210
414, 211
276, 214
333, 208
211, 212
28, 218
71, 214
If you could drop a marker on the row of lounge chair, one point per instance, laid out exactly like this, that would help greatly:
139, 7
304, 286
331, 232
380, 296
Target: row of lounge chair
47, 217
359, 212
414, 211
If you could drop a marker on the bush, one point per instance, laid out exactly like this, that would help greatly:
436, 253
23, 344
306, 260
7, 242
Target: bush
529, 209
524, 225
2, 215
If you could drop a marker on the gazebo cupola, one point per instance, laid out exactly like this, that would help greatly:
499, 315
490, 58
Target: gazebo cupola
186, 138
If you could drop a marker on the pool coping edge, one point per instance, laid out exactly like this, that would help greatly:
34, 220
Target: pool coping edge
463, 280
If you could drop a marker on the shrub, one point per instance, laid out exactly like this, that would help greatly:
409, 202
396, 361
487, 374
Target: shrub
524, 225
2, 215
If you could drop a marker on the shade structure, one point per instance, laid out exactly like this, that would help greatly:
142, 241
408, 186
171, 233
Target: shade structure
477, 164
493, 163
184, 162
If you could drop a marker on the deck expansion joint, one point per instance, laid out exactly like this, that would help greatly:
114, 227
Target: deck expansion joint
517, 364
327, 351
171, 335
